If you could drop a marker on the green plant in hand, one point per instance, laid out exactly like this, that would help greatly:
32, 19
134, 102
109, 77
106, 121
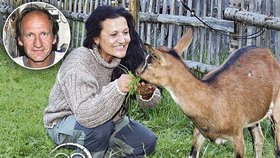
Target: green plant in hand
129, 101
133, 84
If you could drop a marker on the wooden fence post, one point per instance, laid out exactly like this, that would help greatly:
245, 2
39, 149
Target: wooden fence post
277, 14
134, 6
234, 43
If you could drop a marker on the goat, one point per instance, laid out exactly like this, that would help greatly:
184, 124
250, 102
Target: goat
239, 94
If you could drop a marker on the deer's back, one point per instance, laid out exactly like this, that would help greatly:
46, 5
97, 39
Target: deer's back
248, 81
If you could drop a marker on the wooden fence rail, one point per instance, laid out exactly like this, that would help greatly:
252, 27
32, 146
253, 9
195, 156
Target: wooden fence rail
162, 22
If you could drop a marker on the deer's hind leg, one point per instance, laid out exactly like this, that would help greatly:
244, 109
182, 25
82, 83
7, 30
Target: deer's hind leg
275, 120
198, 140
258, 139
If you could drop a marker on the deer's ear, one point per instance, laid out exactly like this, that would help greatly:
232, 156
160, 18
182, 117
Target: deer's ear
184, 42
149, 48
154, 53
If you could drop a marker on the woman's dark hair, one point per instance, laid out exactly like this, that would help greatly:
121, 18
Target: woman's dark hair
29, 9
135, 53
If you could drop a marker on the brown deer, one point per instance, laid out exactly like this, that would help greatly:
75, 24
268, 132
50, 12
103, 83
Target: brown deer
239, 94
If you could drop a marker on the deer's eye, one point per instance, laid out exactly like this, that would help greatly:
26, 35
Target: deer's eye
155, 57
149, 59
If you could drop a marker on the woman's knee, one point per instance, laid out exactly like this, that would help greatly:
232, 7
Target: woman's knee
145, 149
141, 139
150, 145
97, 138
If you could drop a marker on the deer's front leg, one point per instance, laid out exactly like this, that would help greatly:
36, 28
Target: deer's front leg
258, 139
239, 146
198, 140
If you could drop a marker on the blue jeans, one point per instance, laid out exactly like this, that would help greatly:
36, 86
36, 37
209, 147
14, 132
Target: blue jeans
127, 138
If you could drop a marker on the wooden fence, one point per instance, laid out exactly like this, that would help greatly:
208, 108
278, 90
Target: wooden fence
162, 22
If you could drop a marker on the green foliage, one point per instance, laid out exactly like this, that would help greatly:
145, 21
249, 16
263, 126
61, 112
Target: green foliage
24, 96
133, 84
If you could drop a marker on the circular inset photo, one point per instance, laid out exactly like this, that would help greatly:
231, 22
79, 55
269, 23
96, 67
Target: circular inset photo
36, 35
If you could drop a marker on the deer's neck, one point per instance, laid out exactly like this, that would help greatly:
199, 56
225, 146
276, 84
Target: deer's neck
192, 95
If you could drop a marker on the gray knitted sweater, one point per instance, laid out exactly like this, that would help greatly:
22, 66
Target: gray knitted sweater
83, 87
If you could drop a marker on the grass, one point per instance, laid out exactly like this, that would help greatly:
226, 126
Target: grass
24, 96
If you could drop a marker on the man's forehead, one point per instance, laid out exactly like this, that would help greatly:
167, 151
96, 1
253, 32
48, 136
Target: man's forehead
36, 21
36, 12
36, 17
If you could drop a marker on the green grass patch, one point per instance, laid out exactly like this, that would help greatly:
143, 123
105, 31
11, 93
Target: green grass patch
24, 96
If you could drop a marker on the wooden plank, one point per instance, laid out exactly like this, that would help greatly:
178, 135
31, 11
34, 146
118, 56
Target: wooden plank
258, 10
198, 51
104, 2
96, 3
241, 26
267, 34
70, 5
157, 25
195, 33
277, 39
163, 28
219, 44
190, 4
210, 36
149, 24
85, 11
142, 35
218, 24
65, 6
123, 4
234, 43
200, 66
134, 10
255, 19
91, 7
181, 30
202, 32
171, 26
75, 15
74, 30
250, 28
78, 25
194, 43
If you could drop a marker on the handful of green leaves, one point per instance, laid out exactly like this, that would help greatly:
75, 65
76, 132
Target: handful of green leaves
129, 102
133, 84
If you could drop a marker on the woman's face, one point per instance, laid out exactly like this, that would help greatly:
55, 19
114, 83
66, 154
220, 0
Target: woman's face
114, 38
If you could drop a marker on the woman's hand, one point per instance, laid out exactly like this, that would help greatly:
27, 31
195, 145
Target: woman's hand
146, 90
123, 83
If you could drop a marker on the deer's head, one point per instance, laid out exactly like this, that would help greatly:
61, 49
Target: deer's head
159, 63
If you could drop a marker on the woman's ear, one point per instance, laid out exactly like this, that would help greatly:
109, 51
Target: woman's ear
96, 40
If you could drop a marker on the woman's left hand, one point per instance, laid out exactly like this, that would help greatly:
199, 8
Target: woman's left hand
146, 90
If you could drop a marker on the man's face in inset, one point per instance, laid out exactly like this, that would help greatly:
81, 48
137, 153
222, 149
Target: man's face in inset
37, 37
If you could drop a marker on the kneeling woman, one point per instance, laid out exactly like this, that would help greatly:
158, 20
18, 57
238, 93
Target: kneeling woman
86, 101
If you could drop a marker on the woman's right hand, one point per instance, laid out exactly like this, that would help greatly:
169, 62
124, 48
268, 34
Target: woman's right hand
123, 82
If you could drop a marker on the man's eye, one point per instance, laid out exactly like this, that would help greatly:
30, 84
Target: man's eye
44, 34
30, 35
